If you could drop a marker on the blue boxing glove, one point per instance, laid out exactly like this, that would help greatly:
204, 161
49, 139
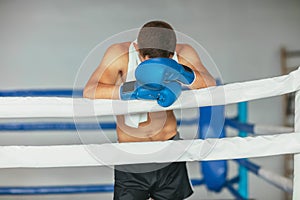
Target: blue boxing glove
165, 96
169, 94
156, 72
133, 90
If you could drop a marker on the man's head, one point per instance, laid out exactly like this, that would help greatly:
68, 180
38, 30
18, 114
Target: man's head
156, 39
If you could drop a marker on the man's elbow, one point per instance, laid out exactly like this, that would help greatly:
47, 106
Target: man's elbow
205, 80
211, 82
85, 93
88, 93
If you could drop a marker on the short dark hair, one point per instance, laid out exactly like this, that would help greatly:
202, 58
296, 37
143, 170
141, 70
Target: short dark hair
156, 39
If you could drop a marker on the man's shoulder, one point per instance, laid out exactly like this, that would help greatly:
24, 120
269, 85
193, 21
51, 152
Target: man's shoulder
118, 48
182, 47
116, 55
185, 52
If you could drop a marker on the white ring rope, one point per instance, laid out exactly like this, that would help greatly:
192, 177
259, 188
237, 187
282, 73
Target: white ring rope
169, 151
24, 107
125, 153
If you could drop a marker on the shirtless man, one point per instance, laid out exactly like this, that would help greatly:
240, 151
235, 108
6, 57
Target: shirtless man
105, 83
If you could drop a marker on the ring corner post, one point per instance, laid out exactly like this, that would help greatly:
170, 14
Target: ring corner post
296, 191
243, 174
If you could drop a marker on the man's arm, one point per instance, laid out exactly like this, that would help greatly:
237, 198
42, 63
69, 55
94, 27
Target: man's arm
104, 83
189, 57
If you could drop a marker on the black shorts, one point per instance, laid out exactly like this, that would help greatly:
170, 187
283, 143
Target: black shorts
169, 182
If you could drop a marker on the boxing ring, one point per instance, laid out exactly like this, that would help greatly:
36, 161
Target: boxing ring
58, 103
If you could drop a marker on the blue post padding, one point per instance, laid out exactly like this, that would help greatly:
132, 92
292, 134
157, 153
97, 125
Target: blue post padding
245, 127
211, 125
42, 93
55, 190
249, 165
215, 173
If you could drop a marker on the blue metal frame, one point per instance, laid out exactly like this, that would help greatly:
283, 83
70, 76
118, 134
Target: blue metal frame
243, 174
68, 126
42, 93
71, 189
